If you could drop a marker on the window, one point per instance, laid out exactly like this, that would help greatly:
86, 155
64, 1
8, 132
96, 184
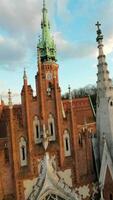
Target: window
23, 152
67, 149
6, 154
67, 144
51, 127
36, 130
111, 197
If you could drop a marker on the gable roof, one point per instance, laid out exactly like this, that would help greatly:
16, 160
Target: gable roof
106, 162
49, 182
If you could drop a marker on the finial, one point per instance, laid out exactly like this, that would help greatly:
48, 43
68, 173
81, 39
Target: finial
99, 32
9, 99
98, 25
2, 102
25, 75
70, 96
44, 4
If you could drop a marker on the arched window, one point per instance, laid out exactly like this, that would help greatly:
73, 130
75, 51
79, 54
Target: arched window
51, 127
23, 152
67, 149
36, 130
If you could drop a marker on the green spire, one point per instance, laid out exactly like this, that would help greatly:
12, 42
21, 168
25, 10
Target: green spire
46, 43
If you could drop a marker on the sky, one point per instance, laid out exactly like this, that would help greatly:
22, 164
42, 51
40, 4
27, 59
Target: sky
73, 28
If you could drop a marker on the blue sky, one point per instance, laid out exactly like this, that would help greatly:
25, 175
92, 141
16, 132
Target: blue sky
73, 27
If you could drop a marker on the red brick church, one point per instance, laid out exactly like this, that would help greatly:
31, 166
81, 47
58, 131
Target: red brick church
53, 148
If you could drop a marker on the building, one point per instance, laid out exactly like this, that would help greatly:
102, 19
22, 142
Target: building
46, 146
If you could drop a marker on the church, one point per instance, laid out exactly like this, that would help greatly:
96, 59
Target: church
53, 148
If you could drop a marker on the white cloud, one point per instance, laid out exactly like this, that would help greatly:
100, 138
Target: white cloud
109, 45
20, 26
68, 49
14, 95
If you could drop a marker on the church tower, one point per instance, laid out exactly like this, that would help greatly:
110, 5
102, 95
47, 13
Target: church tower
47, 87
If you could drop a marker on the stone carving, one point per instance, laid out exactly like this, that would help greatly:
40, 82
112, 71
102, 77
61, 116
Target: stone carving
50, 179
49, 175
46, 137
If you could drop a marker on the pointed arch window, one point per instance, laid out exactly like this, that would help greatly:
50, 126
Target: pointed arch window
36, 130
67, 149
51, 127
23, 152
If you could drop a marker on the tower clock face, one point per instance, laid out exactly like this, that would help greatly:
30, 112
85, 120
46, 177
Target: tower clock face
49, 76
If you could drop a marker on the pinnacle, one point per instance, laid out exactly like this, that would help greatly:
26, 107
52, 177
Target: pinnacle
25, 75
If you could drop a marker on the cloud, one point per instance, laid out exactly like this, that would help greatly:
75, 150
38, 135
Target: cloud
17, 16
11, 49
19, 24
12, 52
16, 99
4, 93
108, 45
20, 27
67, 49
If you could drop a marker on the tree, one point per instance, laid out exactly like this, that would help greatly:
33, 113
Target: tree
89, 90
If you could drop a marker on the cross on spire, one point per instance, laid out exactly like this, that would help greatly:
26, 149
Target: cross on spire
98, 25
99, 32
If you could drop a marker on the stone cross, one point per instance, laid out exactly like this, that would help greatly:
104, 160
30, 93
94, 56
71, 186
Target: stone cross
98, 25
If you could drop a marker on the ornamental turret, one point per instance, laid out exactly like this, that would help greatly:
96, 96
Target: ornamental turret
46, 42
104, 111
104, 83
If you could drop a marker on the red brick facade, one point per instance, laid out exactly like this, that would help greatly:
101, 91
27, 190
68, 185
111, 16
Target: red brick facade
17, 122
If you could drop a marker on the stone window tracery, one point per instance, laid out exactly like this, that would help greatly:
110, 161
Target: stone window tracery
23, 151
67, 149
52, 197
